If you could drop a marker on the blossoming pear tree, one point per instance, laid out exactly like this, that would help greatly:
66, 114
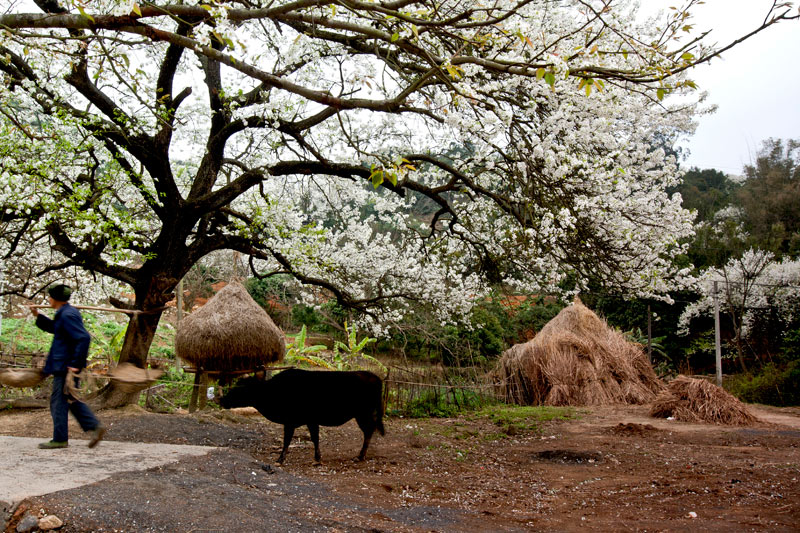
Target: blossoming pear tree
395, 153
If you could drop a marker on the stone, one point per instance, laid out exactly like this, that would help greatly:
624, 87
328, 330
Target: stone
49, 522
6, 509
28, 523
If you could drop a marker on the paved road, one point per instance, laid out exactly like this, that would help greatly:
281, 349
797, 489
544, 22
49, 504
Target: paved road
28, 471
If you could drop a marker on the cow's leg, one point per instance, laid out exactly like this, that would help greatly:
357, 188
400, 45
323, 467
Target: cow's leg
367, 425
288, 433
313, 430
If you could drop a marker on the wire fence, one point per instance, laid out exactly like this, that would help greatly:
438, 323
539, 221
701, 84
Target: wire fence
437, 391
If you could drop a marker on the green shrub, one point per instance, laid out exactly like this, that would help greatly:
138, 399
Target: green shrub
773, 385
444, 403
175, 393
790, 344
23, 337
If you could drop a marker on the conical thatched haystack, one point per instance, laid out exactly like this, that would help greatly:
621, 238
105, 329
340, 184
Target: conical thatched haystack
697, 400
577, 359
230, 332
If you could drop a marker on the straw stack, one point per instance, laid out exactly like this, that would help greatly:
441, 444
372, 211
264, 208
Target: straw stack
697, 400
577, 359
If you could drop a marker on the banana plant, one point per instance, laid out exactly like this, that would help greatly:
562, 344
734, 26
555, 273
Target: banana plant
351, 356
298, 352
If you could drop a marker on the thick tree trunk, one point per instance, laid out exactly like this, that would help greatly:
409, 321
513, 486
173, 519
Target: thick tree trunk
138, 338
140, 334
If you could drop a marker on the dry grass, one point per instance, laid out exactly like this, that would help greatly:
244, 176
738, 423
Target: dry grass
697, 400
577, 359
230, 332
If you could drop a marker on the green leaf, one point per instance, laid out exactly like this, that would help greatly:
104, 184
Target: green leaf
687, 56
454, 71
316, 361
660, 93
395, 36
85, 14
625, 54
550, 79
376, 178
539, 73
392, 178
300, 340
137, 9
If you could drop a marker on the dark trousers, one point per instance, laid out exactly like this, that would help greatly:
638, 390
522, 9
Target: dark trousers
61, 404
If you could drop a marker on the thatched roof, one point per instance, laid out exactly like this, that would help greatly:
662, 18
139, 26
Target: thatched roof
577, 359
697, 400
230, 332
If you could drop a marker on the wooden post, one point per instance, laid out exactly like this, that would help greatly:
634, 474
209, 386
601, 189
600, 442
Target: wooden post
179, 315
717, 343
179, 301
203, 392
94, 308
195, 390
649, 334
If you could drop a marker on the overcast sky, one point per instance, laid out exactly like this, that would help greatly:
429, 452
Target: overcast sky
756, 85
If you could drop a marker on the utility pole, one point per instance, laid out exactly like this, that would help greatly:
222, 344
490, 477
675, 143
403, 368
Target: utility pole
717, 343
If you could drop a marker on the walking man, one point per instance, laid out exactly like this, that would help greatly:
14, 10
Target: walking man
67, 352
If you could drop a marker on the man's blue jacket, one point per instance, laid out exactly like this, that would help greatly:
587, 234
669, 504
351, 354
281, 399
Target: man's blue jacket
70, 340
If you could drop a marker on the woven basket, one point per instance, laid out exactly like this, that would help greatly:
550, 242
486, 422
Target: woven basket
130, 378
21, 377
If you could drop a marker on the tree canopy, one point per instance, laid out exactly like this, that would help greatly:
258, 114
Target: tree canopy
770, 197
138, 137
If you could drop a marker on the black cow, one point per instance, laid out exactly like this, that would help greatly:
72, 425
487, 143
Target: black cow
297, 398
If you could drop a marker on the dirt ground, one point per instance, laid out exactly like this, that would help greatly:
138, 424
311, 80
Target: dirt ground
610, 469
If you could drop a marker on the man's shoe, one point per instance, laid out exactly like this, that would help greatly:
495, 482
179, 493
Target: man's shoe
97, 436
51, 445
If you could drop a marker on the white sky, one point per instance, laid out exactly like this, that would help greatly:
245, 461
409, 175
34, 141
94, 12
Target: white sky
756, 85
